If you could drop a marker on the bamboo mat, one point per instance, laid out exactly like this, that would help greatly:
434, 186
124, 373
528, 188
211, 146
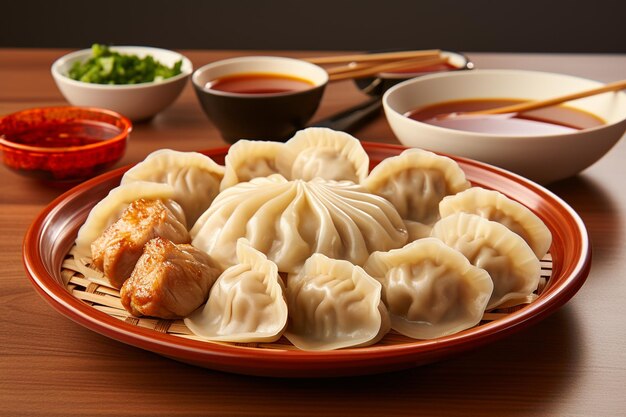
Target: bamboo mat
90, 286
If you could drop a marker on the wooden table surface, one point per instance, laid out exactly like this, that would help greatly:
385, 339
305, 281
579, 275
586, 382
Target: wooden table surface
571, 364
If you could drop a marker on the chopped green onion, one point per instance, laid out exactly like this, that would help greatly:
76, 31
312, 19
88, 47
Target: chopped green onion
109, 67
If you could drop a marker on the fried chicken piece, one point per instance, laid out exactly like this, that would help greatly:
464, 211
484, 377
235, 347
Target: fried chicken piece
169, 281
116, 252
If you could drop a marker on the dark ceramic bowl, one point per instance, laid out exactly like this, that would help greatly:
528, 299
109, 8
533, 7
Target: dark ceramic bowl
63, 144
269, 116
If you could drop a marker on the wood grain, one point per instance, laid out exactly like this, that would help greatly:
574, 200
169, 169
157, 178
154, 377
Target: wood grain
572, 363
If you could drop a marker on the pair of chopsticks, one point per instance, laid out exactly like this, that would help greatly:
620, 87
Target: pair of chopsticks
367, 65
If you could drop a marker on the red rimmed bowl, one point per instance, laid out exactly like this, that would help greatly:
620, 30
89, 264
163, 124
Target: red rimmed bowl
53, 233
63, 144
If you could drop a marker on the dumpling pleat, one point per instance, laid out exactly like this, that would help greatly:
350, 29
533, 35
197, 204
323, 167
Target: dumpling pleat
415, 181
351, 244
497, 207
334, 304
246, 303
289, 247
511, 263
291, 220
430, 289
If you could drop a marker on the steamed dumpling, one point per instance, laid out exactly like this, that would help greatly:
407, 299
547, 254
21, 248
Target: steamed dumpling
246, 303
415, 182
430, 289
111, 207
291, 220
325, 153
248, 159
334, 304
497, 207
508, 259
195, 178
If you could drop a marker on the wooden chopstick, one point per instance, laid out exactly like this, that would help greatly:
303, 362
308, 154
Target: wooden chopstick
536, 104
384, 56
390, 66
354, 66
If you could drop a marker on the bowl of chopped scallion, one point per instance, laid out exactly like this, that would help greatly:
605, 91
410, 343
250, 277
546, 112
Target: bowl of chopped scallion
135, 81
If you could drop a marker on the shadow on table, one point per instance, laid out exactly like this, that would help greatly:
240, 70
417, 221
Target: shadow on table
526, 373
522, 374
599, 212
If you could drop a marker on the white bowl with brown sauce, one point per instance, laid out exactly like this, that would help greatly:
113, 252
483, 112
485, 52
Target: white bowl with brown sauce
545, 145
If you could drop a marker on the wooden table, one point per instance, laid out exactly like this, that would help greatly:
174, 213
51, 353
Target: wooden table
573, 363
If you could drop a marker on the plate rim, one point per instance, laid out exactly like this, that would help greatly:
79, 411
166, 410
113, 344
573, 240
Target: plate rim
270, 362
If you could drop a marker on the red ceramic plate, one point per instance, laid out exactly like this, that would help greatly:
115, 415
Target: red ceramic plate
53, 233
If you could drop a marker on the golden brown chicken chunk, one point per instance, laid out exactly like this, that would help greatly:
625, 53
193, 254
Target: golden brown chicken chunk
169, 281
116, 252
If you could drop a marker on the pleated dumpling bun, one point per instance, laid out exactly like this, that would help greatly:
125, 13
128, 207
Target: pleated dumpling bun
430, 289
248, 159
246, 303
291, 220
195, 177
511, 263
325, 153
415, 182
334, 304
497, 207
110, 208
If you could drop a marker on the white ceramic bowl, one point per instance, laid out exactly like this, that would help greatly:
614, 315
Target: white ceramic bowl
137, 101
541, 158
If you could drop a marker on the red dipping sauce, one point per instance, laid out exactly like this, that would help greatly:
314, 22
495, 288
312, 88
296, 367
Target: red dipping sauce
259, 83
62, 144
63, 134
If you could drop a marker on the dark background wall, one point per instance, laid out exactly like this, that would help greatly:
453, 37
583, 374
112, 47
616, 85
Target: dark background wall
467, 25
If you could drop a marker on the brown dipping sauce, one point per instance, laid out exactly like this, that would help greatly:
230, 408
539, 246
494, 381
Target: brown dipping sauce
259, 83
549, 120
